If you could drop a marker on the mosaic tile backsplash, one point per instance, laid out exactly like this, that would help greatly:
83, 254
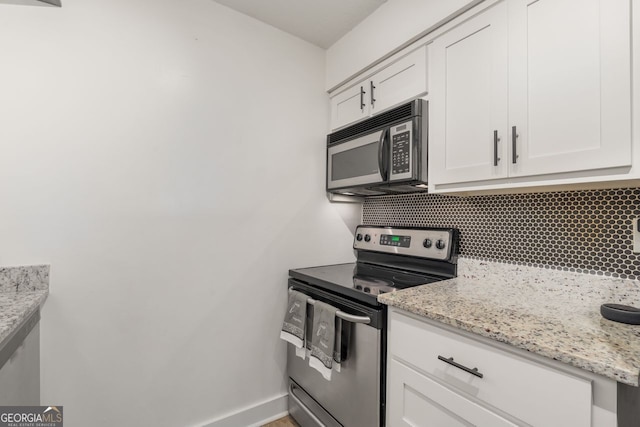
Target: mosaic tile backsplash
582, 231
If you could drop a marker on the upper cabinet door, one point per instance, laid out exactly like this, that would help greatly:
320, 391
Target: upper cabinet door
350, 105
402, 80
569, 85
399, 81
468, 107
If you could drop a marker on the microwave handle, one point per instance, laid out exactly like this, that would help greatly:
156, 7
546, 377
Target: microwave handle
382, 157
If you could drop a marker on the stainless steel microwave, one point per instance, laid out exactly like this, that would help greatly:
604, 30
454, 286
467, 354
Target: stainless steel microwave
384, 154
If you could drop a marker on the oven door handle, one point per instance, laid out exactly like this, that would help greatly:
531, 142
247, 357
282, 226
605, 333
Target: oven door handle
353, 319
341, 314
304, 408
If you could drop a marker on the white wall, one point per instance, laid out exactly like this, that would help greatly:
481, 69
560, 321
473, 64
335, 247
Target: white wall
167, 158
387, 28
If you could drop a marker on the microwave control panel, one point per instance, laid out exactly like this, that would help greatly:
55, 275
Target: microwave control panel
401, 151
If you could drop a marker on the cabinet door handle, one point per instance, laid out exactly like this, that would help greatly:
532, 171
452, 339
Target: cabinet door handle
372, 87
450, 361
514, 137
362, 98
496, 159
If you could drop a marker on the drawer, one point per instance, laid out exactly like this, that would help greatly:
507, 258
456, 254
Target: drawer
524, 389
418, 401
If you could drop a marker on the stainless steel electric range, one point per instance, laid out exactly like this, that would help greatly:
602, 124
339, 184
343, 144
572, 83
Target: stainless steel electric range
388, 259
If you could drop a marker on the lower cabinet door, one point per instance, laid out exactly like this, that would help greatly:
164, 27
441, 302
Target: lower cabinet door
418, 401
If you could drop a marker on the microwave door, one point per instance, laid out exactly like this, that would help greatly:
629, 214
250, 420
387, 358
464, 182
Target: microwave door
358, 162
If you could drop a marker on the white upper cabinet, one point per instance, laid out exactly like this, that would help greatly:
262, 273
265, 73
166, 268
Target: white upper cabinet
468, 111
399, 81
350, 105
404, 79
569, 84
532, 88
394, 24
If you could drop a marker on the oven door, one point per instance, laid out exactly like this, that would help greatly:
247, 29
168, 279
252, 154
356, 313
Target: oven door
354, 397
358, 162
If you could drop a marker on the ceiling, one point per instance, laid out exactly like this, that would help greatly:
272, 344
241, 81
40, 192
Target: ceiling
321, 22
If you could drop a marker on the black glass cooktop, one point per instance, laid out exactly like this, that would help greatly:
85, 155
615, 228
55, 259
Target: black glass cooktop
361, 281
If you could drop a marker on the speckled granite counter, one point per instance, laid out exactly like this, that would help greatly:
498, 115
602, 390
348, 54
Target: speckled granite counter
22, 291
553, 313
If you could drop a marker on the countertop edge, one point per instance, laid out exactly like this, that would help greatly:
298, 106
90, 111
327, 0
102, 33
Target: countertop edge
631, 378
37, 301
524, 307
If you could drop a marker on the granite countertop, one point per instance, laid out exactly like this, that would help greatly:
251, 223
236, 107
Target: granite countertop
549, 312
22, 291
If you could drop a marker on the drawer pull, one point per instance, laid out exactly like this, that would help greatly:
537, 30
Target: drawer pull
450, 361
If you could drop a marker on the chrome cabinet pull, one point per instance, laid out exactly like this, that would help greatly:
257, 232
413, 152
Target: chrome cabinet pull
450, 361
496, 159
362, 92
514, 137
372, 87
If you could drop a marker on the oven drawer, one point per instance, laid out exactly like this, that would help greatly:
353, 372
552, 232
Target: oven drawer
516, 386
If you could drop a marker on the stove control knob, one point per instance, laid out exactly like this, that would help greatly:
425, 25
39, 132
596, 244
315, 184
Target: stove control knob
359, 237
367, 238
440, 244
367, 290
427, 243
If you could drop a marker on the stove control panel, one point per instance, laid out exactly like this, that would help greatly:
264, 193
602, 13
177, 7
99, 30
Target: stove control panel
432, 243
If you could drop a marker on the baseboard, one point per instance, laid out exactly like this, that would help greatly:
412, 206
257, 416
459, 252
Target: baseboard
254, 415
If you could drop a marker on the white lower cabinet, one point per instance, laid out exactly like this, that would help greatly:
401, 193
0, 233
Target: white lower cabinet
419, 401
20, 374
425, 390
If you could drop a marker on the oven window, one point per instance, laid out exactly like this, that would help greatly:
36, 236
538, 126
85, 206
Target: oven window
359, 161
